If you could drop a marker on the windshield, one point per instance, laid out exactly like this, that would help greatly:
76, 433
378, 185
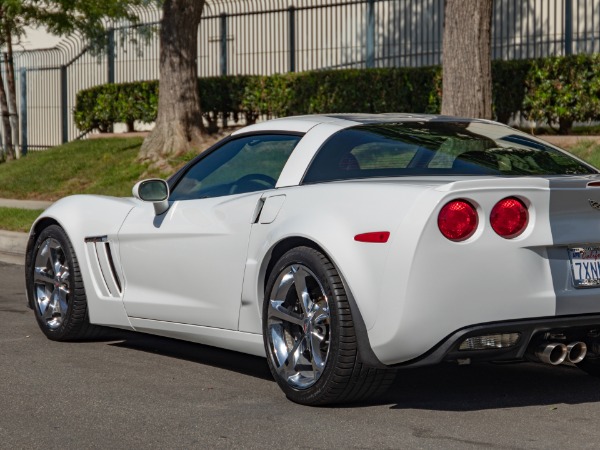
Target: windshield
437, 148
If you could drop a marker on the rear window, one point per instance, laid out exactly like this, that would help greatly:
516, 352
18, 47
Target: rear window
437, 148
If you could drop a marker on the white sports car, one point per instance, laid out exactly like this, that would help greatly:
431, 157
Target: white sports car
339, 246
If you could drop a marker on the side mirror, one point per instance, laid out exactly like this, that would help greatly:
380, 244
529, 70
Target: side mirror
153, 190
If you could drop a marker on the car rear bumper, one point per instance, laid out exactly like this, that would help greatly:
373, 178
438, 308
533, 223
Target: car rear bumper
533, 333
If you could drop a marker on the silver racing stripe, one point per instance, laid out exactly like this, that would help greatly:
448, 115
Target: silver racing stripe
574, 223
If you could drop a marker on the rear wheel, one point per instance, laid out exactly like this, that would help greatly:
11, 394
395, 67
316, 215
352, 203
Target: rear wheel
55, 285
309, 334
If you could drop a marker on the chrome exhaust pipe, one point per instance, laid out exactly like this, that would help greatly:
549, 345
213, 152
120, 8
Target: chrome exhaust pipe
553, 353
576, 352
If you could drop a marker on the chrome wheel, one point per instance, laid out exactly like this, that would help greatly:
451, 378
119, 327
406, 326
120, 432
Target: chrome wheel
298, 326
51, 283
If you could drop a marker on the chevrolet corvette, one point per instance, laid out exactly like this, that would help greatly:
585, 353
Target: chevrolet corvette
340, 247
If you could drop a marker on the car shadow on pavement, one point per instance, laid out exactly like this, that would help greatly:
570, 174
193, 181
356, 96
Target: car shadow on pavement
445, 387
490, 386
253, 366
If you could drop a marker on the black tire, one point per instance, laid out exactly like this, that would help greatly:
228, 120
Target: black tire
337, 376
60, 317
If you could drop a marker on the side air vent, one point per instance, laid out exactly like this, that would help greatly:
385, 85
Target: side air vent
102, 265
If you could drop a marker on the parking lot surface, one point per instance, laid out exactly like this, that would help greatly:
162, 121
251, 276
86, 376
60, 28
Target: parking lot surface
134, 390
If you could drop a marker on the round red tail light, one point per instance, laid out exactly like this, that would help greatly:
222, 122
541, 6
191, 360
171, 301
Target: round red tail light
458, 220
509, 217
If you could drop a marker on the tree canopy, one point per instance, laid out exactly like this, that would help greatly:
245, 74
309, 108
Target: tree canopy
63, 17
89, 18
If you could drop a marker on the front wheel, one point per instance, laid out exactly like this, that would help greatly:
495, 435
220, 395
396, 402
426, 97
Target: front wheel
54, 284
309, 334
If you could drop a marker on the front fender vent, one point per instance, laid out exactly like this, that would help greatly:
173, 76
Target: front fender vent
102, 266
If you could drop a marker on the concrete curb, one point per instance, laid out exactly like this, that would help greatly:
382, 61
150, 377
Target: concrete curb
13, 246
24, 204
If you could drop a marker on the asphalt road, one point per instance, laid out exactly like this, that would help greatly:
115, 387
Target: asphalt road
141, 391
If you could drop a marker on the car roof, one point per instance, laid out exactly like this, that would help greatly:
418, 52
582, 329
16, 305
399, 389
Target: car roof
302, 124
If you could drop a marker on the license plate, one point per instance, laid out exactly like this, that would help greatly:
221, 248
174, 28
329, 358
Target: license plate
585, 265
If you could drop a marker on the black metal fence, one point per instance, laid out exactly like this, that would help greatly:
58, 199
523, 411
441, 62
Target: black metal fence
261, 37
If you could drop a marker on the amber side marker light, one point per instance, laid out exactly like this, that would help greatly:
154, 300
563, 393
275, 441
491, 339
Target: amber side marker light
509, 217
376, 237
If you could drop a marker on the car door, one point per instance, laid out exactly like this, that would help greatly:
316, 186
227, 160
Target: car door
187, 265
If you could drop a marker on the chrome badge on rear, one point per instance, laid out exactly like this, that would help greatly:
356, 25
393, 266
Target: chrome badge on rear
594, 204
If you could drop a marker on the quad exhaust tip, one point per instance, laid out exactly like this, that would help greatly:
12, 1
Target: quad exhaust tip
576, 352
556, 353
553, 353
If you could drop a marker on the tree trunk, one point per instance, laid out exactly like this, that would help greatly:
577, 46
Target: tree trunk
12, 93
9, 152
179, 125
466, 67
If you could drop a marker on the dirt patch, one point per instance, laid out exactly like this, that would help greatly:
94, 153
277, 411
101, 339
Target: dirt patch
142, 134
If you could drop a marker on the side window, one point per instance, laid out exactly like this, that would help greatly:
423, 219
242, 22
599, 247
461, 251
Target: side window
247, 164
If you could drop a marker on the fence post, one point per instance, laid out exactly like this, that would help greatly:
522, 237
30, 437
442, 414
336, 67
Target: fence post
292, 38
223, 44
110, 55
23, 76
370, 34
224, 57
64, 107
568, 27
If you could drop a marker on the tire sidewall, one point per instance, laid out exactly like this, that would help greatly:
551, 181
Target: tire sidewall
312, 259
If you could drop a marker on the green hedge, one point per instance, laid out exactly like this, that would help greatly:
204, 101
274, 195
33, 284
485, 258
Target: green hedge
101, 106
369, 90
335, 91
557, 90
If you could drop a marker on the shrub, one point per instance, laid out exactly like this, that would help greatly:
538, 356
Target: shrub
563, 90
508, 87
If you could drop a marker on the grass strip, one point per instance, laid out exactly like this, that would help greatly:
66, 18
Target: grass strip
587, 150
15, 219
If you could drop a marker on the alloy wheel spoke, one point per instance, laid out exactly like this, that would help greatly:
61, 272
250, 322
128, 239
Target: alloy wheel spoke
55, 260
61, 300
64, 275
40, 276
290, 362
279, 344
301, 289
42, 259
317, 361
277, 310
284, 285
42, 298
50, 307
320, 311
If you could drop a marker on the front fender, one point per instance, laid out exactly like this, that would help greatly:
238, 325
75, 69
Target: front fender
83, 216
